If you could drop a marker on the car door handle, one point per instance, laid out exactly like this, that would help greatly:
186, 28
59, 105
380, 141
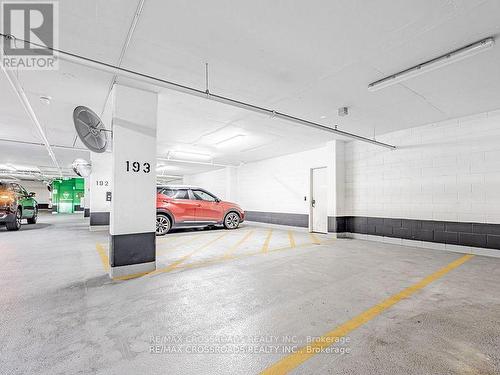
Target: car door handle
313, 202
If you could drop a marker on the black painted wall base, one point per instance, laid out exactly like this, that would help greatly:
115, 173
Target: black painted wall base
128, 249
448, 232
335, 224
99, 218
296, 220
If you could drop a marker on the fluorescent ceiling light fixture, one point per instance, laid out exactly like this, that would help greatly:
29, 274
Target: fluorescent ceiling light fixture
256, 147
191, 155
436, 63
210, 163
167, 168
7, 167
168, 176
231, 140
8, 177
24, 168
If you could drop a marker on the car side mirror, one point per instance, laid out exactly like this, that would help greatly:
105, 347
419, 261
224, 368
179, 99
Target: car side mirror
31, 194
217, 200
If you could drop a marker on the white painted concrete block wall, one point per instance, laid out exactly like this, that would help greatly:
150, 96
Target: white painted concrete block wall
231, 183
445, 171
279, 184
213, 181
272, 185
336, 176
42, 194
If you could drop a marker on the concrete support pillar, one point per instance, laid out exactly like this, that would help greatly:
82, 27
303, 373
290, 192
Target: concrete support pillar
86, 198
101, 184
133, 205
336, 198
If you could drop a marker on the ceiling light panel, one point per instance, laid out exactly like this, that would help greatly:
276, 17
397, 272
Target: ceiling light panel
234, 140
191, 155
213, 138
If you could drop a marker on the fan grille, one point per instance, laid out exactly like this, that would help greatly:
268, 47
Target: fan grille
90, 129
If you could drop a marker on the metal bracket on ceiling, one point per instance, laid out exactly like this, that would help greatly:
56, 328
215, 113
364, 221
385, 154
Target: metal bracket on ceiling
207, 90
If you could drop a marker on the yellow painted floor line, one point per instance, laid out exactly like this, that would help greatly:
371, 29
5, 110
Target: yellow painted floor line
294, 360
265, 247
291, 239
103, 255
170, 237
185, 257
170, 240
245, 255
176, 236
177, 244
178, 264
235, 247
315, 240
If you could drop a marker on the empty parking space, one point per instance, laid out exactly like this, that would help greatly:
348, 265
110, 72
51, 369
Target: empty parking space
198, 248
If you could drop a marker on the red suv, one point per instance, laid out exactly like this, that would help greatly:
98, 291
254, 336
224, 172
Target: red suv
190, 206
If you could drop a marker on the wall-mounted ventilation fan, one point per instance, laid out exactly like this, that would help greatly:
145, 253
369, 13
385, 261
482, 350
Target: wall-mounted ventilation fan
82, 167
90, 129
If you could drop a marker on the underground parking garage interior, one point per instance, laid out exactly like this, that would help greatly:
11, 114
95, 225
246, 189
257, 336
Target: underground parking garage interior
250, 187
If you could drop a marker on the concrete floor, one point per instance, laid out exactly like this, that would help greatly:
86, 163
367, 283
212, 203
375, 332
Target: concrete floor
61, 314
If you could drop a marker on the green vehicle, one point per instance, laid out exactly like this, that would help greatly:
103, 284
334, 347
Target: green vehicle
16, 204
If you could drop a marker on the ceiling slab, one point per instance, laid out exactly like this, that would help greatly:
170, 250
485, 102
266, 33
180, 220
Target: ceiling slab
302, 58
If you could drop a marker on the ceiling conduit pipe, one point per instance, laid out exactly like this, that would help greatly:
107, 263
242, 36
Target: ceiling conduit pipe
123, 72
14, 82
43, 145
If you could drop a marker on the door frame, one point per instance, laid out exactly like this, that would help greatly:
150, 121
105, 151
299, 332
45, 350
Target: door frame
311, 187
